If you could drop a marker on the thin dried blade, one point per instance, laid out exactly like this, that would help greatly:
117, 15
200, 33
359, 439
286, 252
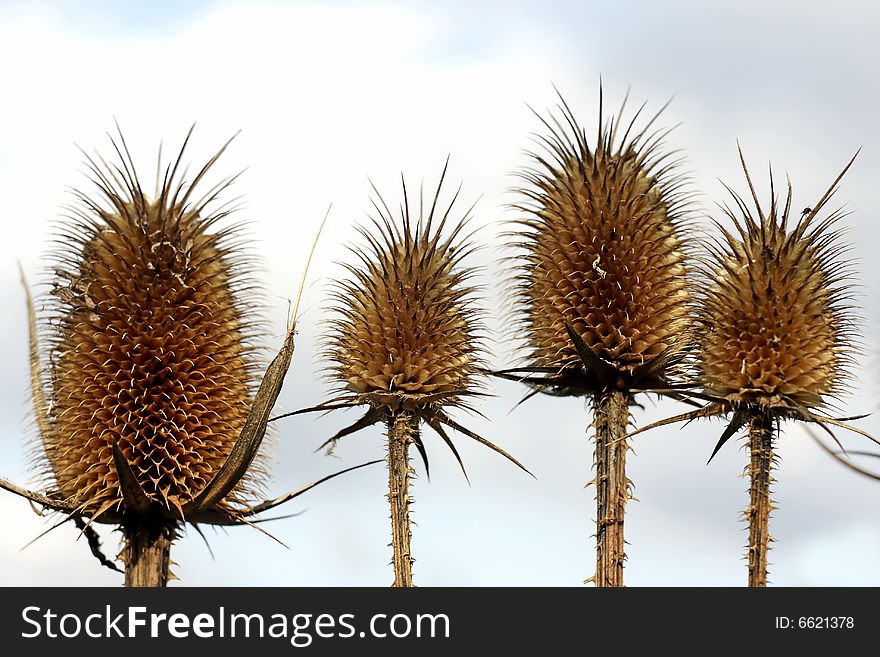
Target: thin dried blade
248, 443
313, 409
39, 498
270, 504
43, 533
424, 454
818, 419
708, 410
94, 542
846, 462
656, 364
448, 421
38, 396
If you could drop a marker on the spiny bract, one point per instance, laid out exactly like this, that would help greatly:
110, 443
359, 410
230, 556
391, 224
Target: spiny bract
777, 325
601, 266
151, 342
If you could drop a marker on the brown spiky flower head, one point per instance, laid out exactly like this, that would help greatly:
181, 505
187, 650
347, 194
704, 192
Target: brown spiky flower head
601, 288
776, 333
146, 396
600, 285
778, 327
405, 339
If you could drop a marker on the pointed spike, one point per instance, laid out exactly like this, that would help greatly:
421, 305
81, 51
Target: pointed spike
132, 492
738, 420
421, 447
368, 419
436, 426
605, 371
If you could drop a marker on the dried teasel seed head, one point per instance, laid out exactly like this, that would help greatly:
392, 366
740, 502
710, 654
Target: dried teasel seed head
151, 340
405, 331
777, 324
602, 250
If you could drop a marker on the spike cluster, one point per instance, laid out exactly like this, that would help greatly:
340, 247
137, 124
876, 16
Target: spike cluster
406, 330
151, 345
603, 251
778, 327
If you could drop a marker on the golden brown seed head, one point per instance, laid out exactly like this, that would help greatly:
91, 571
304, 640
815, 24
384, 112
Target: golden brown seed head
151, 343
404, 330
601, 248
776, 324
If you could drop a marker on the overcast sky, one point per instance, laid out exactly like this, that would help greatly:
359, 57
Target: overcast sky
329, 94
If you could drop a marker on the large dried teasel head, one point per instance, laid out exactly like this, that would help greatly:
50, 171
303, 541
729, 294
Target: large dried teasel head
601, 276
406, 332
151, 345
147, 397
775, 317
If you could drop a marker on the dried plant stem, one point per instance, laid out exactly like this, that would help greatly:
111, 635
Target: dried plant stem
611, 417
761, 433
147, 550
403, 429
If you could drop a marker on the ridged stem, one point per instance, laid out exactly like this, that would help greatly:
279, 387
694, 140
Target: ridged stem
610, 420
147, 550
402, 430
761, 434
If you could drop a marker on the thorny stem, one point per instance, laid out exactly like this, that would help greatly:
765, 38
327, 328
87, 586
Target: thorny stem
147, 550
610, 420
761, 434
402, 430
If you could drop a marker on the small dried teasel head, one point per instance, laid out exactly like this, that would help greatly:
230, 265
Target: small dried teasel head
601, 286
406, 331
151, 344
775, 314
